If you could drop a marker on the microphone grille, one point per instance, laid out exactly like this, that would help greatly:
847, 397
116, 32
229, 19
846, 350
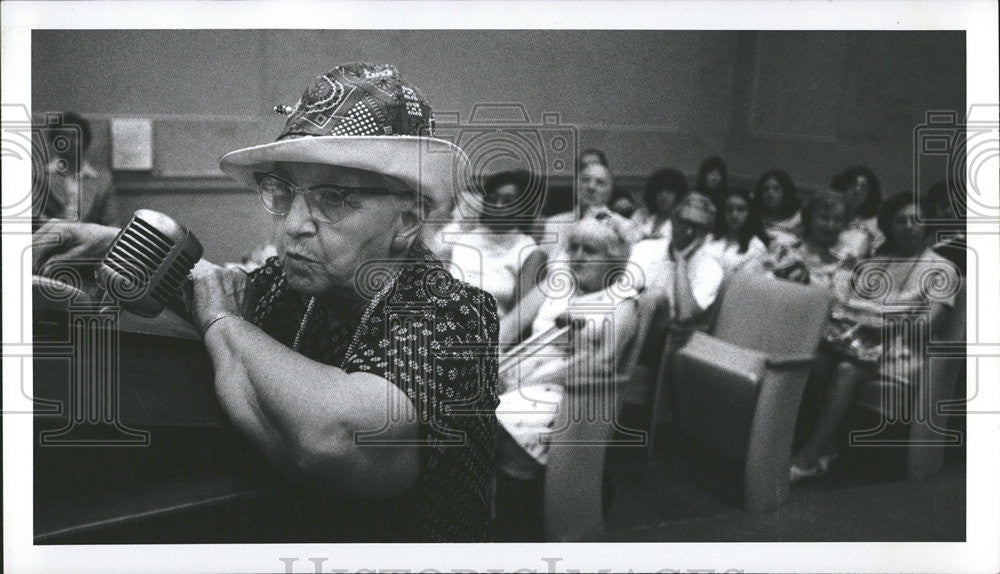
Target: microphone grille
148, 262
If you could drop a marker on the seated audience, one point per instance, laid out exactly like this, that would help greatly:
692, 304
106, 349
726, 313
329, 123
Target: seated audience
713, 179
739, 237
496, 255
531, 391
73, 189
904, 275
814, 260
863, 194
778, 205
664, 188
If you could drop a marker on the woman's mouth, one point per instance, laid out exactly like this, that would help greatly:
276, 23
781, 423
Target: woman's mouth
298, 258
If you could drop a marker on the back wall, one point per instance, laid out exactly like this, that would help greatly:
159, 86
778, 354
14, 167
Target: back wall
809, 102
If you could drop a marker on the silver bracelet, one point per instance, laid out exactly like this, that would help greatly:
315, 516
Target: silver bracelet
215, 319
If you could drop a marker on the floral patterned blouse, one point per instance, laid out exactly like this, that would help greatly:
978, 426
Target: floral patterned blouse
434, 338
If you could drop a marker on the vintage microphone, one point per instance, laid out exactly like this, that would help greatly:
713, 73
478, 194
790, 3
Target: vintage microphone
148, 262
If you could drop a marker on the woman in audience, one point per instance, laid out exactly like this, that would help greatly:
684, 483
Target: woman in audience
905, 274
863, 194
814, 260
947, 223
624, 202
664, 188
464, 216
713, 179
594, 291
496, 255
739, 237
777, 203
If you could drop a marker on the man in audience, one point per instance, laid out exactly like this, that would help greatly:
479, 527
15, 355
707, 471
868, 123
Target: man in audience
682, 279
591, 156
678, 271
594, 185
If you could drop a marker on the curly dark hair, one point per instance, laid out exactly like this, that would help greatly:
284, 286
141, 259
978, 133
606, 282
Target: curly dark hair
753, 227
518, 177
941, 193
523, 208
712, 163
889, 208
790, 195
845, 179
663, 179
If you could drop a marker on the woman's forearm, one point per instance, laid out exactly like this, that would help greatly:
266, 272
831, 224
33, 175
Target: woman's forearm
305, 414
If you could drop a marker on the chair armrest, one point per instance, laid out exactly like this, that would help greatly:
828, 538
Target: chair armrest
790, 361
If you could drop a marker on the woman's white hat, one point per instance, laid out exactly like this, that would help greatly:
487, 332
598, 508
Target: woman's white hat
362, 116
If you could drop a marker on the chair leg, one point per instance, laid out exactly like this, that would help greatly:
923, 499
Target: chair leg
769, 455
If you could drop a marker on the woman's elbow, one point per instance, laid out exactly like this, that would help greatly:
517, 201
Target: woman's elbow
335, 460
319, 454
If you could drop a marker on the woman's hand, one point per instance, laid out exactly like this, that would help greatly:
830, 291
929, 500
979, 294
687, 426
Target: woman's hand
217, 290
60, 242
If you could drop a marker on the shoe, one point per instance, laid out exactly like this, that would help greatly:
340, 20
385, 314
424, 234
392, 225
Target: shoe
798, 474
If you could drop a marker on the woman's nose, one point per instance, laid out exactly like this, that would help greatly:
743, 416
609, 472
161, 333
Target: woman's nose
299, 219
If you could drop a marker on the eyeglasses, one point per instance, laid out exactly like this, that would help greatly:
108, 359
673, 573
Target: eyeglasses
325, 201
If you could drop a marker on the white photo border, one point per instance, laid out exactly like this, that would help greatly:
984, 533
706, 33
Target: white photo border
978, 553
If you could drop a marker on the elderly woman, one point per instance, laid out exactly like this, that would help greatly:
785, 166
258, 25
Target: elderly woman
595, 292
813, 260
342, 359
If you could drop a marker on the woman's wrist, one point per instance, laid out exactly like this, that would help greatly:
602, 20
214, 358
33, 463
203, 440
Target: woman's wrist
215, 318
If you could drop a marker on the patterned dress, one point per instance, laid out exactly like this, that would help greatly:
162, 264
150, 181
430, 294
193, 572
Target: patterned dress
434, 338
